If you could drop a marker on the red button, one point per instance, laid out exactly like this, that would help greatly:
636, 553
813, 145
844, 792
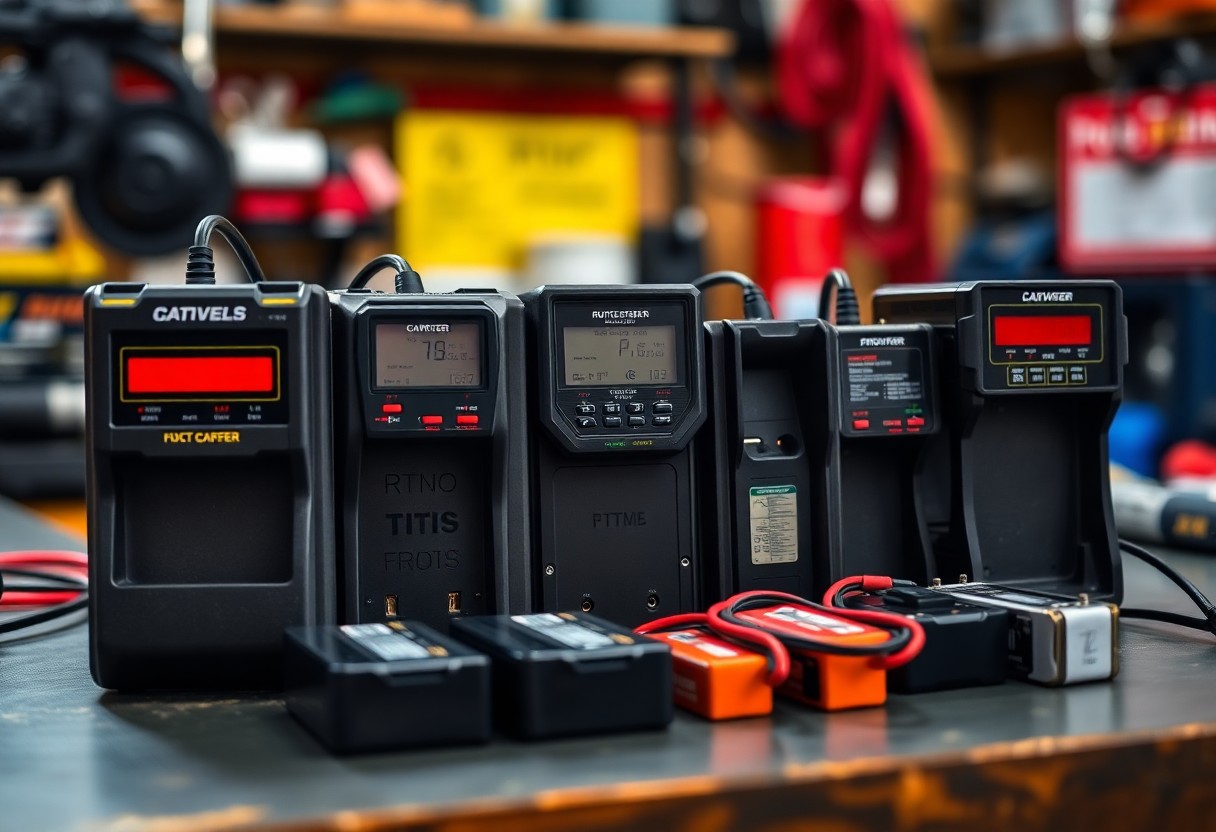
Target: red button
915, 422
390, 408
861, 424
466, 419
431, 420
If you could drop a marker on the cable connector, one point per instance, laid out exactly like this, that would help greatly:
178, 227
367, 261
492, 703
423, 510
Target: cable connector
846, 311
755, 302
407, 281
200, 266
200, 259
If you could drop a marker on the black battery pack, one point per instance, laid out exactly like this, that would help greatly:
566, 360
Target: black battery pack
380, 687
568, 674
965, 644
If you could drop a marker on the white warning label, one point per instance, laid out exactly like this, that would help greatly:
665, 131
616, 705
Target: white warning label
774, 514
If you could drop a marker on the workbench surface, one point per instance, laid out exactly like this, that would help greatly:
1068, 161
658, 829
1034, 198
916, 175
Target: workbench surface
1136, 753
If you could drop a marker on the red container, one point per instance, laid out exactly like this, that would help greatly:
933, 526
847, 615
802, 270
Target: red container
799, 238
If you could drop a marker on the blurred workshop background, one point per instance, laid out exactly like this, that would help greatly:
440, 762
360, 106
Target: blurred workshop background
510, 143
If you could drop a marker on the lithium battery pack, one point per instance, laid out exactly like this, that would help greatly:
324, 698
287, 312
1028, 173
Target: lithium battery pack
567, 674
965, 644
819, 679
1052, 639
378, 687
716, 679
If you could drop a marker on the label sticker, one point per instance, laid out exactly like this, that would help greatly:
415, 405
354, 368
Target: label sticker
705, 646
774, 516
389, 643
814, 621
564, 631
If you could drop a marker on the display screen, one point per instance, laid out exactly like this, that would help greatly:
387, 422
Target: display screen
428, 355
619, 355
221, 373
1042, 331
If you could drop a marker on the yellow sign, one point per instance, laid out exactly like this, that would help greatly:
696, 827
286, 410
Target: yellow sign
481, 186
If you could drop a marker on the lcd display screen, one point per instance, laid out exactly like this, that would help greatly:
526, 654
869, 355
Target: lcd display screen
619, 355
1042, 331
221, 373
428, 355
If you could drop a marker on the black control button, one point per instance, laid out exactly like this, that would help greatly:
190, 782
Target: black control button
1076, 375
586, 422
1017, 376
612, 409
612, 421
661, 407
1037, 375
584, 409
635, 421
661, 420
635, 407
1056, 375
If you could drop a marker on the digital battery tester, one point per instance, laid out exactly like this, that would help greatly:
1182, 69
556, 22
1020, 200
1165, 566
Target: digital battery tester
616, 395
432, 463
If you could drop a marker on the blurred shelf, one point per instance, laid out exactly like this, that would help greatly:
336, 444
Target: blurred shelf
327, 25
968, 61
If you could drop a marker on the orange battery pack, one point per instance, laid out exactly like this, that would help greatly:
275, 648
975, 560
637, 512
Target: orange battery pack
716, 679
823, 680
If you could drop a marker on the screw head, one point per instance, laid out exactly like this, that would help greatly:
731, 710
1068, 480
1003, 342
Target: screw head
368, 602
550, 569
684, 561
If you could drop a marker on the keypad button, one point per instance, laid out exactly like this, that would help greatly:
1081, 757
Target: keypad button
1056, 375
612, 421
635, 407
612, 409
635, 421
1017, 376
661, 420
1076, 375
1037, 375
584, 409
661, 407
586, 421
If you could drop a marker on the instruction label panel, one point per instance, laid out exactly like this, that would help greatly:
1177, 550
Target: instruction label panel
774, 521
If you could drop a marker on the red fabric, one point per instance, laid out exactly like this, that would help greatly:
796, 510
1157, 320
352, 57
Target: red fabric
845, 66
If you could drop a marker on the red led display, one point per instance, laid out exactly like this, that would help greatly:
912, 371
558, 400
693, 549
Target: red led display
1043, 331
160, 374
